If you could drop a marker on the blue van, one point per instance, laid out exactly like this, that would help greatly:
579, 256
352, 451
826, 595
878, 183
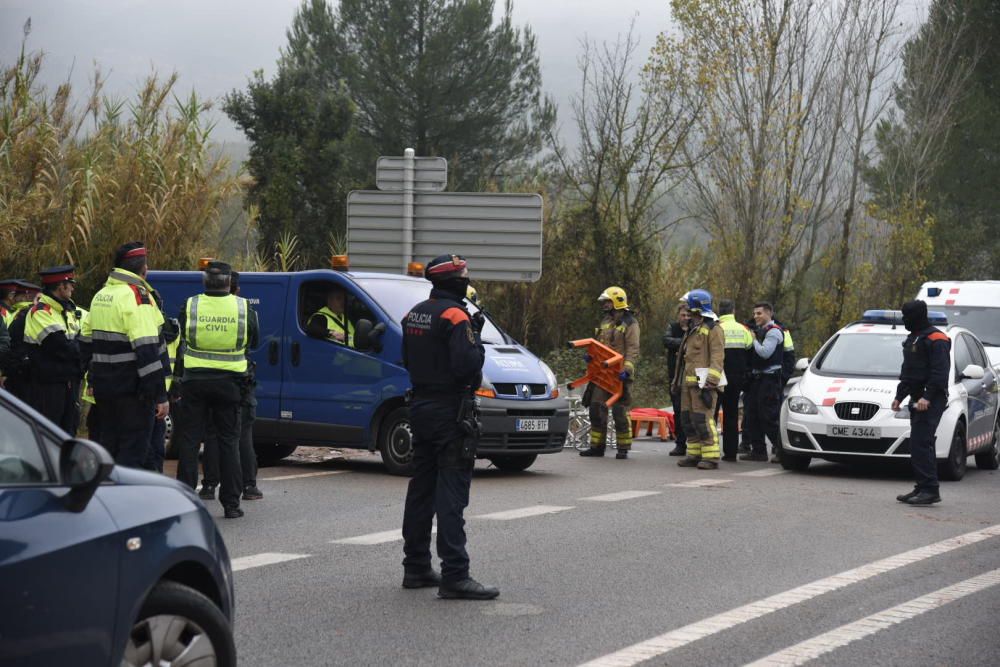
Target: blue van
317, 392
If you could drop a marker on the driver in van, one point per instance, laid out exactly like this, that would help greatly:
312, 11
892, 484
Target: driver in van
330, 321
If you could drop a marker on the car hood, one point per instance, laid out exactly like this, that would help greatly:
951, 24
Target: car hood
135, 477
822, 389
512, 363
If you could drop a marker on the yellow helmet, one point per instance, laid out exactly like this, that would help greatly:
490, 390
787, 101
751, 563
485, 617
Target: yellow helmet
472, 295
616, 295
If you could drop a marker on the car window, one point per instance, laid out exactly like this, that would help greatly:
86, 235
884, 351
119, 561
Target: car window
984, 322
975, 351
962, 356
317, 294
21, 460
866, 354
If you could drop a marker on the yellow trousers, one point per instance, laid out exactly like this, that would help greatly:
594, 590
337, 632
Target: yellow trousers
699, 423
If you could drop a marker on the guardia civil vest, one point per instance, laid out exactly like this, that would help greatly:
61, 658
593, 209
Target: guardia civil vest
216, 333
739, 344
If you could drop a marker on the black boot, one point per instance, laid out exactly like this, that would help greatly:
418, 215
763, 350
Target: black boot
678, 451
207, 491
593, 451
621, 454
426, 579
905, 497
924, 498
467, 589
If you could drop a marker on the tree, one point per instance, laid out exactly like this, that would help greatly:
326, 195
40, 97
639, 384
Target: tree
434, 75
300, 157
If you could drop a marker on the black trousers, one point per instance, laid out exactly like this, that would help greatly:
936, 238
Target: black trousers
215, 402
681, 438
248, 457
157, 445
126, 424
58, 401
439, 487
730, 404
923, 429
762, 411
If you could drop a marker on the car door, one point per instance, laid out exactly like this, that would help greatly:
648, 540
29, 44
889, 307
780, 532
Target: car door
267, 295
975, 390
983, 411
58, 569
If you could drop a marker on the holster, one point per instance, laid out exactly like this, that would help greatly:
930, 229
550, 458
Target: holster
468, 419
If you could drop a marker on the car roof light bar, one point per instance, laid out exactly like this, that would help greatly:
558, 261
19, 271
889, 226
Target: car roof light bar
896, 317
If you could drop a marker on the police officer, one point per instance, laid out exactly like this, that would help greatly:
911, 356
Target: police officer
763, 397
121, 342
50, 330
739, 343
216, 328
16, 366
702, 352
443, 352
619, 330
672, 340
923, 380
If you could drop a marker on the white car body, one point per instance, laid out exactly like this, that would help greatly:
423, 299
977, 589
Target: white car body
839, 428
973, 304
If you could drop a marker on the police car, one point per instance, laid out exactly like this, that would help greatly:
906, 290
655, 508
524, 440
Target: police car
840, 409
973, 304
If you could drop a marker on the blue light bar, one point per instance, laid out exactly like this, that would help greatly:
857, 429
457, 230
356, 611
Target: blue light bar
933, 291
896, 317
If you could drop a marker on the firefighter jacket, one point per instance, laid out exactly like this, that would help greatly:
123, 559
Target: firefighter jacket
622, 337
50, 331
441, 349
121, 340
926, 365
739, 344
704, 346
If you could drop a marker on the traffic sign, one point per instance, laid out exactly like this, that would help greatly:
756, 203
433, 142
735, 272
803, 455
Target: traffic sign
430, 174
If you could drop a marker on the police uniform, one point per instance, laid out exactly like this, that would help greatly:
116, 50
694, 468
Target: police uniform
216, 328
121, 345
16, 365
924, 375
444, 356
762, 405
703, 349
739, 343
672, 340
51, 327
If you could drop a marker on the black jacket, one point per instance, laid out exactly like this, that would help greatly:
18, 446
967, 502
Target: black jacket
672, 341
441, 349
926, 365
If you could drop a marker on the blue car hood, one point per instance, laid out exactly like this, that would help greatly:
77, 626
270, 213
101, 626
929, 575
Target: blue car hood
512, 363
136, 477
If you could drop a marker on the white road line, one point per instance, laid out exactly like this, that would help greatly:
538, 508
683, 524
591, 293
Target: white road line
534, 510
698, 483
668, 641
247, 562
622, 495
376, 538
302, 475
763, 472
827, 642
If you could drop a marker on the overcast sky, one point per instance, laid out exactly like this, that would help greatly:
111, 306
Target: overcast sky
215, 44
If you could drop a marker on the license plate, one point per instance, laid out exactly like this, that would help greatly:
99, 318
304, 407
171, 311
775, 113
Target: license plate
532, 424
866, 432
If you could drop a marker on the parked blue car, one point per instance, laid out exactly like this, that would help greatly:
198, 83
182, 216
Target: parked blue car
103, 565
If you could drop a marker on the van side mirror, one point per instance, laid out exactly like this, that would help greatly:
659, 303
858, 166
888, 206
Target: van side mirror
368, 337
802, 364
83, 465
973, 372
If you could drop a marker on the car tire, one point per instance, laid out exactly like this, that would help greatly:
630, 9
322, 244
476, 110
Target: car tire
514, 462
990, 459
794, 462
395, 442
205, 629
268, 454
953, 468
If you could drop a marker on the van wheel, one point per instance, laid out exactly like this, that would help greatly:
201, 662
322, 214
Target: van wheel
515, 463
269, 453
178, 625
990, 459
395, 442
952, 468
169, 451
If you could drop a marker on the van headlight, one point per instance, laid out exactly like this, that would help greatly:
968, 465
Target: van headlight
550, 377
802, 405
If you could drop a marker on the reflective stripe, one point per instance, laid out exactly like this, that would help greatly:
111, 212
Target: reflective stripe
214, 356
192, 321
712, 373
150, 368
241, 323
145, 340
110, 335
83, 339
122, 358
126, 277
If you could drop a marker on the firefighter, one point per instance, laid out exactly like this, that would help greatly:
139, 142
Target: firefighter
50, 331
444, 355
122, 345
923, 382
702, 356
739, 343
619, 330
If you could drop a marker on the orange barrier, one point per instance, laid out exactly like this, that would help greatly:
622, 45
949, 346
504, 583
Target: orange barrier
603, 369
648, 418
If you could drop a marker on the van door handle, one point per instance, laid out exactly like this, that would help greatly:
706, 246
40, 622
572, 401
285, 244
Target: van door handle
296, 354
272, 353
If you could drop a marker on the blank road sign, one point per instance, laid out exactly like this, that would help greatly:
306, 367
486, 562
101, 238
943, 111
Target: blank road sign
430, 174
499, 233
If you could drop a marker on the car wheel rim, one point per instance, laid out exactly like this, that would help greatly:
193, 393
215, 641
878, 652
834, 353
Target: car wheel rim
401, 442
169, 640
957, 453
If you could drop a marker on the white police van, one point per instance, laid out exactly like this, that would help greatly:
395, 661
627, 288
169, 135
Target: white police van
841, 408
973, 304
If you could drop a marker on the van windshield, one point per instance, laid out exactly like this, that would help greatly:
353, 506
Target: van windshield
397, 297
867, 354
984, 322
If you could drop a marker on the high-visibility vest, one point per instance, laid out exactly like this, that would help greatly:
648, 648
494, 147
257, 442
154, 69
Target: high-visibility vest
737, 336
340, 323
49, 316
215, 333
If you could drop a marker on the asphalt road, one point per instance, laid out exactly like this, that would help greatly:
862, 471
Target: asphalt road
663, 572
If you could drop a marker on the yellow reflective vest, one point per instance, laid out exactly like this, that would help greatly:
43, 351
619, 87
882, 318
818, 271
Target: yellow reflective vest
338, 323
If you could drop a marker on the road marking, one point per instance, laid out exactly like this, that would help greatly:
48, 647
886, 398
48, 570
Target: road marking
668, 641
302, 475
697, 483
830, 641
763, 472
534, 510
376, 538
622, 495
247, 562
